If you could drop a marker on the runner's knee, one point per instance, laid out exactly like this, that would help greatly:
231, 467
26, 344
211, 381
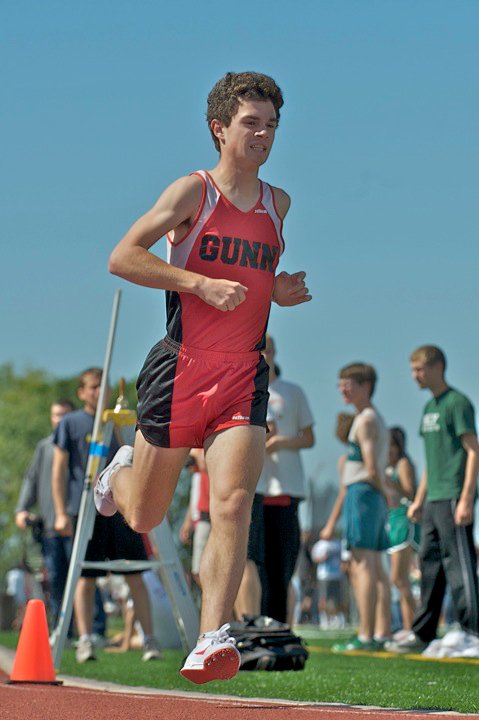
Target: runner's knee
142, 520
234, 508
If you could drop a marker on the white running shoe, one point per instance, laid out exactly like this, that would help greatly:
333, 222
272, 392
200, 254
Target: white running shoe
104, 502
215, 657
151, 651
85, 650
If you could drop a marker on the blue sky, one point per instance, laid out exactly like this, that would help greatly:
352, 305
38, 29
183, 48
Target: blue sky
104, 106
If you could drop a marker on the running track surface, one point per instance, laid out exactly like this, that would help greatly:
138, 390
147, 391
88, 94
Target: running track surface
46, 702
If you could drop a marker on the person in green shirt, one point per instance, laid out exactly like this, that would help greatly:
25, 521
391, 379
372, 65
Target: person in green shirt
445, 500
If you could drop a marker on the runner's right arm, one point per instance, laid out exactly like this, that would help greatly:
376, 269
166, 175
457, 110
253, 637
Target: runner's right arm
175, 210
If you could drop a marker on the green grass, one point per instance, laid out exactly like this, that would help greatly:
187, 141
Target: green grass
386, 682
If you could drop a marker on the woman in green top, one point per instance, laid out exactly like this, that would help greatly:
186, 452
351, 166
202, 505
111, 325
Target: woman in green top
403, 535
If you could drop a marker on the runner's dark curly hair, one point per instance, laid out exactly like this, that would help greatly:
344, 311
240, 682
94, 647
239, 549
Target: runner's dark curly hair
225, 97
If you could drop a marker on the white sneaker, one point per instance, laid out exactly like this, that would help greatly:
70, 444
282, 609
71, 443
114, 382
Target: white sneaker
151, 651
102, 494
85, 650
215, 657
401, 634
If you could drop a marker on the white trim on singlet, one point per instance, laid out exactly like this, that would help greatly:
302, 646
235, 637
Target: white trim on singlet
178, 254
268, 202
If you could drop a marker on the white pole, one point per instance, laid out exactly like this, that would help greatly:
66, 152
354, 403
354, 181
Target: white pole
86, 514
90, 476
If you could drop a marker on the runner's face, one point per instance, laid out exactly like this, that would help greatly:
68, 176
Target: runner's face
251, 132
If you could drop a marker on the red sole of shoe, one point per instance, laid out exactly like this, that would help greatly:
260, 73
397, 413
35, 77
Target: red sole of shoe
221, 665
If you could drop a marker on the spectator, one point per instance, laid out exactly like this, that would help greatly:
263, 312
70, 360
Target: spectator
36, 491
197, 522
365, 509
305, 601
22, 586
327, 556
344, 423
445, 498
274, 532
403, 534
112, 539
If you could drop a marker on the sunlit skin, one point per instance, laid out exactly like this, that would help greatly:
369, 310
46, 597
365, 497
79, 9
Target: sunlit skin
249, 137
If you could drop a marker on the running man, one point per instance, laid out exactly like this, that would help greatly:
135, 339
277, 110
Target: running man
206, 384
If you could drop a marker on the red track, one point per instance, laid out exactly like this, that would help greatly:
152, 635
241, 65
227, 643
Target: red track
45, 702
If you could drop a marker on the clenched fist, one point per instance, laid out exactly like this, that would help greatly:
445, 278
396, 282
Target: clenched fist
290, 290
224, 295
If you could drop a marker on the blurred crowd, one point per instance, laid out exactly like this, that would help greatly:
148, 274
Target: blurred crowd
394, 560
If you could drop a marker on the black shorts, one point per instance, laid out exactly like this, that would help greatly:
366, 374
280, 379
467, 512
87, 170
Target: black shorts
186, 394
113, 539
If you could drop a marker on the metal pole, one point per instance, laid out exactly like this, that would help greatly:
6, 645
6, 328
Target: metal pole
86, 516
90, 474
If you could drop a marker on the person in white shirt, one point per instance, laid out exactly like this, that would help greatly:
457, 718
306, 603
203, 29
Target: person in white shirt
274, 532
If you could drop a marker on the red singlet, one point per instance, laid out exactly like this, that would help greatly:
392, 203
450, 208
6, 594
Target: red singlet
227, 243
208, 375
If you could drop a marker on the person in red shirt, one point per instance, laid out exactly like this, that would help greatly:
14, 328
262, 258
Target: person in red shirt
206, 383
196, 526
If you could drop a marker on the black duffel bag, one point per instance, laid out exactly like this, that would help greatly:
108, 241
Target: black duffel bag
266, 644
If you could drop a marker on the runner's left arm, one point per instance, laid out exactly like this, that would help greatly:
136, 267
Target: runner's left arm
288, 289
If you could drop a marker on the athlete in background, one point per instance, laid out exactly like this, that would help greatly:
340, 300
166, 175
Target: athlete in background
206, 384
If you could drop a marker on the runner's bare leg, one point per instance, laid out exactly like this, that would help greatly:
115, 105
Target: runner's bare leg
234, 459
143, 493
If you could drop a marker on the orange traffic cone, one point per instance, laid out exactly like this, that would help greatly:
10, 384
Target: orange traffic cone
33, 659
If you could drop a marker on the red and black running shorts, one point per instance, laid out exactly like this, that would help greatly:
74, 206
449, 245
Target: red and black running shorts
186, 394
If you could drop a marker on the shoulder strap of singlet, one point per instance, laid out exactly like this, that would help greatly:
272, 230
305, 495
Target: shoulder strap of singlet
178, 253
212, 192
270, 205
